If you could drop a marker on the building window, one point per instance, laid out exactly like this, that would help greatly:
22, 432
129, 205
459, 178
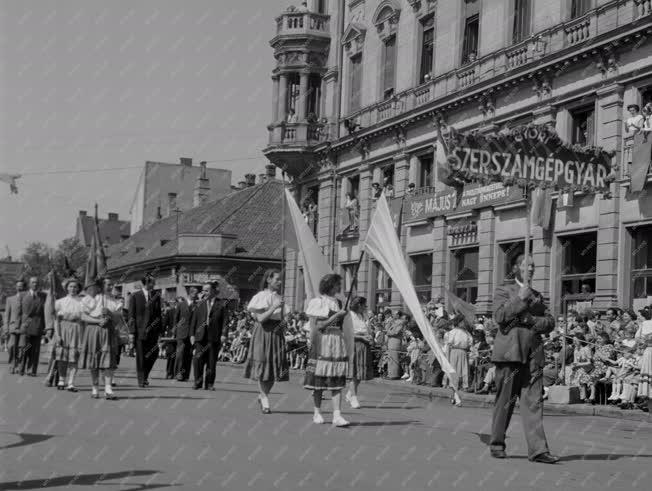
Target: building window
464, 279
578, 264
471, 30
294, 82
422, 276
310, 208
350, 213
382, 287
427, 48
172, 203
314, 95
425, 171
583, 126
389, 67
388, 181
355, 81
641, 267
322, 6
522, 13
579, 7
348, 273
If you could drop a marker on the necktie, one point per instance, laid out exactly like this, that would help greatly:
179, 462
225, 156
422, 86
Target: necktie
208, 313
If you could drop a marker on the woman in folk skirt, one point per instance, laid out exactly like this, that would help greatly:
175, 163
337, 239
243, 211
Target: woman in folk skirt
267, 361
99, 346
328, 360
362, 365
68, 334
459, 343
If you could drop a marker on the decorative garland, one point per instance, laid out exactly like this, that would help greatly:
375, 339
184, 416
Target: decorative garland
518, 134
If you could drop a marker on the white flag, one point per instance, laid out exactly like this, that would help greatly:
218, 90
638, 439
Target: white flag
383, 245
300, 237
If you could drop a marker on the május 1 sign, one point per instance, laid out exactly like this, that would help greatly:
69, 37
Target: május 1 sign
532, 153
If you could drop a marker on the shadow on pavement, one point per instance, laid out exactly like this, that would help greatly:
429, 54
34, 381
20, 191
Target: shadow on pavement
602, 456
386, 423
26, 439
84, 480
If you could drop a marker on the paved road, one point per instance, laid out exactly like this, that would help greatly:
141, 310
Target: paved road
170, 436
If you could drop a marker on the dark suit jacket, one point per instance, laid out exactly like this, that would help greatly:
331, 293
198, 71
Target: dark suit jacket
520, 325
182, 319
145, 317
32, 322
211, 330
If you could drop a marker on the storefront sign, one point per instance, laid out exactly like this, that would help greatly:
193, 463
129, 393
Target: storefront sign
533, 154
474, 196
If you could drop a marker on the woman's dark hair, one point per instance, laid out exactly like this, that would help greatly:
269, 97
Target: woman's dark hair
328, 282
605, 337
646, 313
631, 313
581, 338
357, 302
269, 273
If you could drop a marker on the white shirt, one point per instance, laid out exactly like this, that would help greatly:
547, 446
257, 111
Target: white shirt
644, 330
146, 293
262, 301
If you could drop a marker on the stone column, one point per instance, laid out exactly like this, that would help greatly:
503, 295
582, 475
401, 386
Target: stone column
327, 193
283, 98
303, 96
609, 136
440, 256
413, 173
275, 95
366, 207
486, 241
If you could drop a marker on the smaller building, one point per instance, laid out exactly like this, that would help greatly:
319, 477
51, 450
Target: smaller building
164, 189
112, 229
231, 240
10, 271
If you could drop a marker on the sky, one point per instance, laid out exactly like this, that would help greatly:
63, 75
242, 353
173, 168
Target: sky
97, 86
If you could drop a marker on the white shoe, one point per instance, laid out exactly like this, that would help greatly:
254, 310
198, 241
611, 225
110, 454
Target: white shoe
318, 419
408, 380
353, 400
339, 421
405, 376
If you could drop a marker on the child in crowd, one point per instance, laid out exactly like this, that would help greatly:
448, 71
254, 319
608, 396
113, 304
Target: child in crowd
625, 367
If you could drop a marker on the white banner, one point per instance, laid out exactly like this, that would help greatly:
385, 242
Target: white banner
382, 243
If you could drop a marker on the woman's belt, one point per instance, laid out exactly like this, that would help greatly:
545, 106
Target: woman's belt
462, 349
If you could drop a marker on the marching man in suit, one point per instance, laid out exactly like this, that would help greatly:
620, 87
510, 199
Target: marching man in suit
205, 335
145, 325
522, 318
182, 319
32, 326
13, 316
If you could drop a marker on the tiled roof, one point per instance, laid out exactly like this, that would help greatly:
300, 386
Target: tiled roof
111, 231
252, 214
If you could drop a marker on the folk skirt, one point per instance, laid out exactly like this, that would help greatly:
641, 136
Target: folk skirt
645, 381
99, 348
69, 345
327, 362
267, 359
363, 363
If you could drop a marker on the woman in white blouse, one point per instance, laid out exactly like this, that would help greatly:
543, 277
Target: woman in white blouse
69, 332
362, 367
267, 361
328, 360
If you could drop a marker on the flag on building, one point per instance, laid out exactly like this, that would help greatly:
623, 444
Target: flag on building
383, 245
443, 170
541, 207
641, 151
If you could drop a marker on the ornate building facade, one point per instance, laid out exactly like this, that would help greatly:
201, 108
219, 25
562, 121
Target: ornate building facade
360, 86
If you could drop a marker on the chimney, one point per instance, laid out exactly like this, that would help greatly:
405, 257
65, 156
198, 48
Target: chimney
242, 184
250, 179
187, 161
113, 217
262, 178
270, 170
202, 187
82, 213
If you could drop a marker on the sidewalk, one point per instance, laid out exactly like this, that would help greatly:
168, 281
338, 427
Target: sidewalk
488, 401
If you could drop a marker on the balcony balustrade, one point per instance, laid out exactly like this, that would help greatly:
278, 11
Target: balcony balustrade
576, 32
303, 24
300, 134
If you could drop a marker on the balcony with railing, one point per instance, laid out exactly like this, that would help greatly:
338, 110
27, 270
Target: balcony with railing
299, 134
295, 23
579, 33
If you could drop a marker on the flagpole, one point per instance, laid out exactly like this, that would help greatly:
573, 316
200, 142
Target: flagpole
354, 281
528, 232
283, 249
